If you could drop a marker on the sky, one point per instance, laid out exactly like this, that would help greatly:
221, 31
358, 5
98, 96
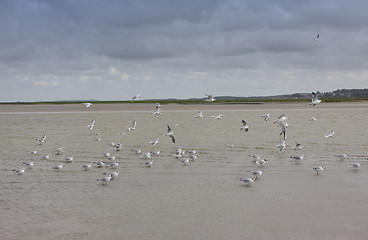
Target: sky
53, 50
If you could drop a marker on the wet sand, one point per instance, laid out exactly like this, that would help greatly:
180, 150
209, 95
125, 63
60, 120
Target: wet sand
201, 200
170, 107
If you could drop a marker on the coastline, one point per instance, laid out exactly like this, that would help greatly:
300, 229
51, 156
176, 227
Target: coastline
69, 107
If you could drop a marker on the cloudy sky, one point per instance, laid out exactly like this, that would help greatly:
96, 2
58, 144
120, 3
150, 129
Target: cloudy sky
114, 49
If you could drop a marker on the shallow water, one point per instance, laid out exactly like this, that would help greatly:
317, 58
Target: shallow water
200, 200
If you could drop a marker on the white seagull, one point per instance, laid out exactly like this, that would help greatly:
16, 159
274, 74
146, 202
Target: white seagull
29, 164
87, 104
312, 118
342, 156
329, 134
104, 180
244, 126
154, 142
261, 162
87, 166
298, 146
41, 140
59, 151
69, 159
209, 98
356, 166
170, 133
318, 169
315, 99
92, 125
19, 171
135, 98
133, 126
256, 173
266, 117
247, 181
58, 167
280, 121
317, 37
157, 111
148, 163
199, 115
217, 116
297, 158
281, 145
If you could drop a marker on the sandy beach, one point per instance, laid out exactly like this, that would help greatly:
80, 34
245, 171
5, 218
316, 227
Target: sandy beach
202, 199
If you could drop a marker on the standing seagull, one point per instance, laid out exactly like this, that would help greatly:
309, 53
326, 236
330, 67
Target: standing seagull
42, 140
244, 126
199, 115
318, 169
315, 99
170, 133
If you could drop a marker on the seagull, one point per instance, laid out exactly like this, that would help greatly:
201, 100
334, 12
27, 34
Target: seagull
261, 162
298, 146
137, 151
281, 145
315, 99
42, 140
255, 157
256, 173
170, 133
114, 164
59, 151
69, 159
112, 174
19, 171
209, 98
91, 126
46, 157
58, 167
104, 180
317, 37
217, 117
356, 166
329, 134
29, 164
184, 161
157, 111
199, 115
135, 98
146, 155
87, 166
133, 126
87, 104
156, 152
111, 158
154, 142
157, 105
297, 158
148, 163
312, 118
34, 152
318, 169
280, 121
244, 126
247, 181
99, 164
342, 156
266, 117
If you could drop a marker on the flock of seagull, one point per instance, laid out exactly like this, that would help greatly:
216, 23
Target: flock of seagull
183, 156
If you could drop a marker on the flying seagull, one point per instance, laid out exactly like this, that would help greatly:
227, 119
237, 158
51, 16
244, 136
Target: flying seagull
170, 133
317, 37
244, 126
315, 99
209, 98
